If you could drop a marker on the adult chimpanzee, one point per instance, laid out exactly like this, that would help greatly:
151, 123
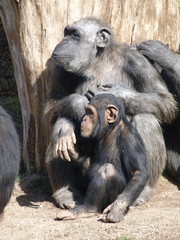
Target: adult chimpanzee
9, 158
169, 68
117, 161
89, 60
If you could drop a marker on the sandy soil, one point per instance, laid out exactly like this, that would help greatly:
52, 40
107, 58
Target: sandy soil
31, 214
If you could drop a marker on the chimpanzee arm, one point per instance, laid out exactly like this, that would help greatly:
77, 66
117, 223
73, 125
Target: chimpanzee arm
136, 163
64, 138
71, 110
73, 107
161, 54
161, 104
65, 110
117, 210
150, 95
138, 166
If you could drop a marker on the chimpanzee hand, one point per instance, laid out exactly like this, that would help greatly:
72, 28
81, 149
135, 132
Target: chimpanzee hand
99, 89
121, 92
107, 87
115, 211
157, 52
65, 143
90, 94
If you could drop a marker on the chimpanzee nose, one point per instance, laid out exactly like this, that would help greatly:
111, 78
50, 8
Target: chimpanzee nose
54, 55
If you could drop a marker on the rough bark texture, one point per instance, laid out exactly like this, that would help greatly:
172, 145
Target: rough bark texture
33, 28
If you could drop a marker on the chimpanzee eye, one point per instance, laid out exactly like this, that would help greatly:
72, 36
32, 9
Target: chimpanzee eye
75, 35
88, 112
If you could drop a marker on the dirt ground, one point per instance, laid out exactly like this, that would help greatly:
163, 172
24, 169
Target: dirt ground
31, 214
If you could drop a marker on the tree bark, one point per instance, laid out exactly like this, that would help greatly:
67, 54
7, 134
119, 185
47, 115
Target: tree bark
34, 27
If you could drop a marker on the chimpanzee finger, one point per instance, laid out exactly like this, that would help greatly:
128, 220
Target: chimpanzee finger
144, 52
61, 205
57, 148
108, 85
70, 144
73, 137
90, 95
141, 46
107, 210
61, 155
65, 151
71, 150
60, 150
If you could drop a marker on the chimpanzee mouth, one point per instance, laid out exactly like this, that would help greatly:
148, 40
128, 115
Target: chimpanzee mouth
62, 61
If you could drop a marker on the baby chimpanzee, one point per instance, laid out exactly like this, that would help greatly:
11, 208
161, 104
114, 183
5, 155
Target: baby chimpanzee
116, 172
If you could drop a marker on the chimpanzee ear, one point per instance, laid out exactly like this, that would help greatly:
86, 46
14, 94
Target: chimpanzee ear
103, 37
111, 113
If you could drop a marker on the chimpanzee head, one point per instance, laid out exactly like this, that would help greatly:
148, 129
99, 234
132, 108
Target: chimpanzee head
103, 113
81, 43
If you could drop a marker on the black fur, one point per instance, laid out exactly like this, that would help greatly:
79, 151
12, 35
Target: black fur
168, 64
90, 61
118, 162
9, 157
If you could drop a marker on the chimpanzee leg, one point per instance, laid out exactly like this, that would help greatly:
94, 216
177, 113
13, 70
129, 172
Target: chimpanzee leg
63, 177
151, 133
104, 187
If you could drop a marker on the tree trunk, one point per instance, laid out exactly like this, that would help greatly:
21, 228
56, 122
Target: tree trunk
34, 27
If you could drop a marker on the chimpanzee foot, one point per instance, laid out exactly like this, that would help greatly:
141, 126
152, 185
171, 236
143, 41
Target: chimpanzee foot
65, 215
144, 196
113, 218
76, 212
115, 212
67, 199
67, 205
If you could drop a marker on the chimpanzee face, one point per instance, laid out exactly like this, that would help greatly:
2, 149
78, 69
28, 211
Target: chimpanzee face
89, 121
96, 119
79, 46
